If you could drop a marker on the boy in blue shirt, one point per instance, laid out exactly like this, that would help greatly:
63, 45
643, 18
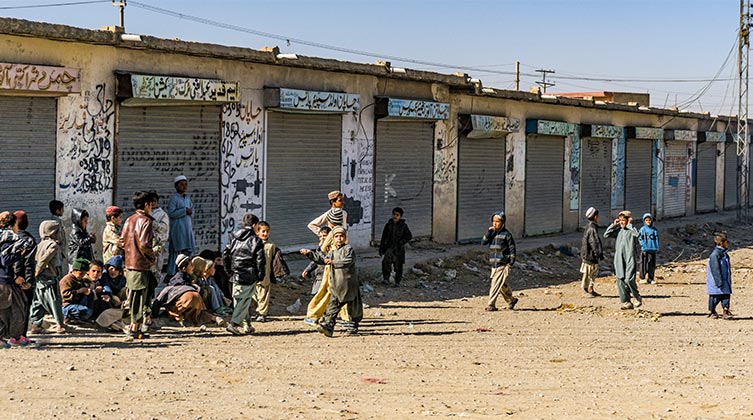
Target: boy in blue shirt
649, 239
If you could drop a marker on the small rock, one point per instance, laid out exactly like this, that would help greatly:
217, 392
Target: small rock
451, 274
295, 307
71, 367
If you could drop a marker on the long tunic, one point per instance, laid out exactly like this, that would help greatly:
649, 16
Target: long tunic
181, 227
625, 250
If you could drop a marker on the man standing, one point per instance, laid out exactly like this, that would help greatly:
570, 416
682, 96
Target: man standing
161, 227
180, 210
138, 240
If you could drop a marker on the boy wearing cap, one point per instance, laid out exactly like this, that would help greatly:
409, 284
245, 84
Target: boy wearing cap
78, 297
649, 239
625, 249
336, 201
111, 234
501, 258
180, 210
591, 253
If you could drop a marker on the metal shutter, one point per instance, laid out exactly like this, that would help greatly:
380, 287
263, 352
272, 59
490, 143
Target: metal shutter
404, 175
596, 175
156, 144
481, 185
638, 166
705, 177
303, 165
544, 184
730, 175
27, 160
675, 167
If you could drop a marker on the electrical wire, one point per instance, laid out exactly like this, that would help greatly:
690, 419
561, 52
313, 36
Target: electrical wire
39, 6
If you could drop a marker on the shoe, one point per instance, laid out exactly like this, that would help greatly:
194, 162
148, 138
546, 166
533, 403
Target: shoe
351, 332
342, 323
15, 342
588, 295
714, 315
324, 330
491, 308
310, 321
36, 329
152, 326
651, 281
233, 329
61, 329
4, 344
593, 293
26, 341
219, 321
512, 304
726, 314
626, 306
643, 281
639, 303
261, 318
247, 328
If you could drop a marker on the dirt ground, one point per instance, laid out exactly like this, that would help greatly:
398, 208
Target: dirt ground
428, 350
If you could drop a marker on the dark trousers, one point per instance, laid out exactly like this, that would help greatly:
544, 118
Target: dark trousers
355, 313
648, 264
715, 300
390, 260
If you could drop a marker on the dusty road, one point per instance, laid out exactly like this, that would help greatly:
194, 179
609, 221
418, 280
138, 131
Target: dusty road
428, 350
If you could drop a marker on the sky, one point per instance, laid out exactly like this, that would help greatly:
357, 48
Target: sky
646, 42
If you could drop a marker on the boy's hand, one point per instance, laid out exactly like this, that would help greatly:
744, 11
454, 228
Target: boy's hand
305, 274
19, 280
616, 222
630, 220
328, 260
305, 251
491, 228
189, 211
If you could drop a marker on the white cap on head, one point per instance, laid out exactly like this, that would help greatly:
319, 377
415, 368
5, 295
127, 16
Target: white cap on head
180, 178
590, 212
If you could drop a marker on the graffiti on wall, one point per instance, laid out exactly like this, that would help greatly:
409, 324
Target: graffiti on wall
618, 172
358, 179
31, 78
486, 126
319, 101
407, 108
607, 131
445, 158
86, 145
242, 164
574, 170
183, 88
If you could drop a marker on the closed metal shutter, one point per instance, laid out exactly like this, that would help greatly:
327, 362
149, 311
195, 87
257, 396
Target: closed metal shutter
675, 167
481, 185
403, 175
730, 175
705, 177
638, 166
303, 165
595, 175
156, 144
544, 184
27, 159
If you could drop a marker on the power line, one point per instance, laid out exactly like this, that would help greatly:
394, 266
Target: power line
39, 6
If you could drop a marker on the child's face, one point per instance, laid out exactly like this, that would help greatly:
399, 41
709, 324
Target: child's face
209, 272
189, 268
497, 223
648, 222
263, 233
114, 272
118, 220
396, 216
623, 222
323, 235
339, 239
59, 212
95, 272
84, 222
339, 202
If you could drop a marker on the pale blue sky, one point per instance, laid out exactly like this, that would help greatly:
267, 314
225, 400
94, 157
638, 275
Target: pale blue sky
630, 39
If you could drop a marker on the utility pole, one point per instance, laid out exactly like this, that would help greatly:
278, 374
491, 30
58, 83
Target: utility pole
517, 75
121, 5
543, 83
743, 139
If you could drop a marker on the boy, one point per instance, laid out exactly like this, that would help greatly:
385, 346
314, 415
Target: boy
275, 268
111, 235
113, 282
161, 226
719, 277
49, 260
344, 284
78, 297
501, 258
649, 239
138, 242
591, 253
624, 258
245, 262
80, 241
316, 269
203, 270
57, 208
392, 246
336, 201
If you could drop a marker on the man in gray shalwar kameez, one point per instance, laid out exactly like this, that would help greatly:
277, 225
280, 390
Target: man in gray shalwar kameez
625, 250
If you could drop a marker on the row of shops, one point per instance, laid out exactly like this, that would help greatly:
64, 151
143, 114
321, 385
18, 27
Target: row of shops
276, 151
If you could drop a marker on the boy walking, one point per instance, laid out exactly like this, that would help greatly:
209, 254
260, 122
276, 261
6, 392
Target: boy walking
392, 246
275, 268
649, 239
719, 278
245, 262
591, 253
501, 258
624, 258
138, 242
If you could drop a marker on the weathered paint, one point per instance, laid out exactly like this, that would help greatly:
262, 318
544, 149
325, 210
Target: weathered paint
618, 171
309, 100
487, 126
550, 128
357, 179
649, 133
607, 131
145, 86
242, 162
445, 208
715, 136
574, 170
412, 108
29, 78
681, 135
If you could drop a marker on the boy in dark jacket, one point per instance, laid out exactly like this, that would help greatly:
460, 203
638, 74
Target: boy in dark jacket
501, 258
649, 239
80, 241
591, 253
245, 262
78, 296
719, 277
392, 247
